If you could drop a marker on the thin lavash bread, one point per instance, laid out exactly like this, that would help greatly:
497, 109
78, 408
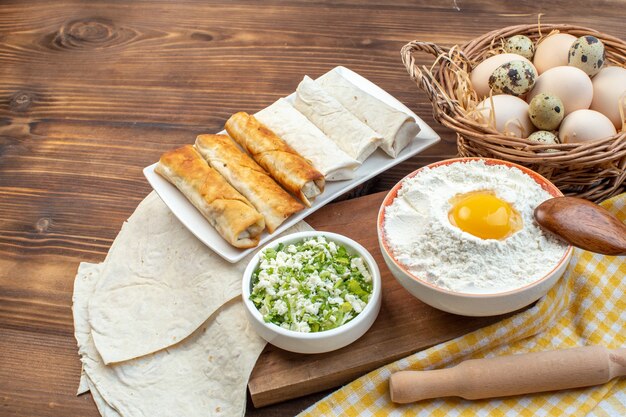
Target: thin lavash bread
349, 133
159, 284
397, 128
308, 140
204, 375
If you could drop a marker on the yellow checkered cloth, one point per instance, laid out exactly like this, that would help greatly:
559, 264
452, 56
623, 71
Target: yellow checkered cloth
586, 307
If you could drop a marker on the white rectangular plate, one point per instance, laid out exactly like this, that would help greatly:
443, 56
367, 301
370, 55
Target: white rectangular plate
374, 165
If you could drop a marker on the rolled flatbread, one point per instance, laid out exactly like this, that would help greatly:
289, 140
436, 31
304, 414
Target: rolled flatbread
397, 128
285, 165
234, 218
353, 136
294, 128
274, 203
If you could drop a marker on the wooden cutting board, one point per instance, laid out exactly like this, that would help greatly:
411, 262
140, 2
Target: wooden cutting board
405, 325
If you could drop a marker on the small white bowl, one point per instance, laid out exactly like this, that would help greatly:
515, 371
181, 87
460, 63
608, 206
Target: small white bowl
464, 303
317, 342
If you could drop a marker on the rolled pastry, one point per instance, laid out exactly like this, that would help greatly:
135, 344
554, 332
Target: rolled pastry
310, 142
353, 136
229, 212
274, 203
397, 128
285, 165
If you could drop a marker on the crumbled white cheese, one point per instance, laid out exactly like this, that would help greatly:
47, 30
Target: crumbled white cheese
358, 264
355, 302
280, 307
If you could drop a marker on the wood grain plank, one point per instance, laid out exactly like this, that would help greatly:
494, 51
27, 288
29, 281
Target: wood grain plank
39, 376
179, 68
36, 296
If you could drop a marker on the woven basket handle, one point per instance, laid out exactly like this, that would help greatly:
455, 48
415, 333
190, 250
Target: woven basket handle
424, 78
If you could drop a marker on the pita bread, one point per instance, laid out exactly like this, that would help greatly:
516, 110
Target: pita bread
204, 375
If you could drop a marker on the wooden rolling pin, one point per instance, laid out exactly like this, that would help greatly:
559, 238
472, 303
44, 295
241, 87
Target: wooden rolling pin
512, 375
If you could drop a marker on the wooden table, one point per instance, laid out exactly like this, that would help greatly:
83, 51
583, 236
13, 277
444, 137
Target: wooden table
90, 93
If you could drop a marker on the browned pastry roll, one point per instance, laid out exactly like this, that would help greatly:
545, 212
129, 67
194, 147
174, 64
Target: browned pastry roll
234, 218
274, 203
285, 165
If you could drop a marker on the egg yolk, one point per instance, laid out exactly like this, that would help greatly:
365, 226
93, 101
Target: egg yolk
484, 215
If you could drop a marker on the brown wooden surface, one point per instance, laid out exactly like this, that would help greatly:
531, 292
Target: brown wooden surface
91, 92
404, 325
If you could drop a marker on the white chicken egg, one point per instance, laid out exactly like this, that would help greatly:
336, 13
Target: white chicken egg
480, 75
585, 125
609, 93
509, 113
570, 84
552, 51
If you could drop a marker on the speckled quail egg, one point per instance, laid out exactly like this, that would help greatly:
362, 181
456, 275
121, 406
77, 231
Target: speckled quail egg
546, 111
515, 78
544, 137
521, 45
587, 54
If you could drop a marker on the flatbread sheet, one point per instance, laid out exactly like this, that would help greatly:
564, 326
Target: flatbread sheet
294, 128
204, 375
397, 128
83, 385
159, 284
349, 133
103, 407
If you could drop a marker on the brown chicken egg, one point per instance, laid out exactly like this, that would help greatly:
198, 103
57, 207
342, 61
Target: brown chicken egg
609, 93
585, 125
509, 115
552, 51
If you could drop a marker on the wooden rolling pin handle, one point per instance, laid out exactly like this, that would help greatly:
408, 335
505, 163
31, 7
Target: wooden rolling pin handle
512, 375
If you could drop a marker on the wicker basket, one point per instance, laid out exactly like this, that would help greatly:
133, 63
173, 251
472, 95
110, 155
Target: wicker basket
593, 170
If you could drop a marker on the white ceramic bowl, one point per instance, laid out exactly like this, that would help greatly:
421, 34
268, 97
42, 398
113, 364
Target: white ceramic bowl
317, 342
464, 303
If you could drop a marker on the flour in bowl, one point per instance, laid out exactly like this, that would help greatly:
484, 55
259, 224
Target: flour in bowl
430, 230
